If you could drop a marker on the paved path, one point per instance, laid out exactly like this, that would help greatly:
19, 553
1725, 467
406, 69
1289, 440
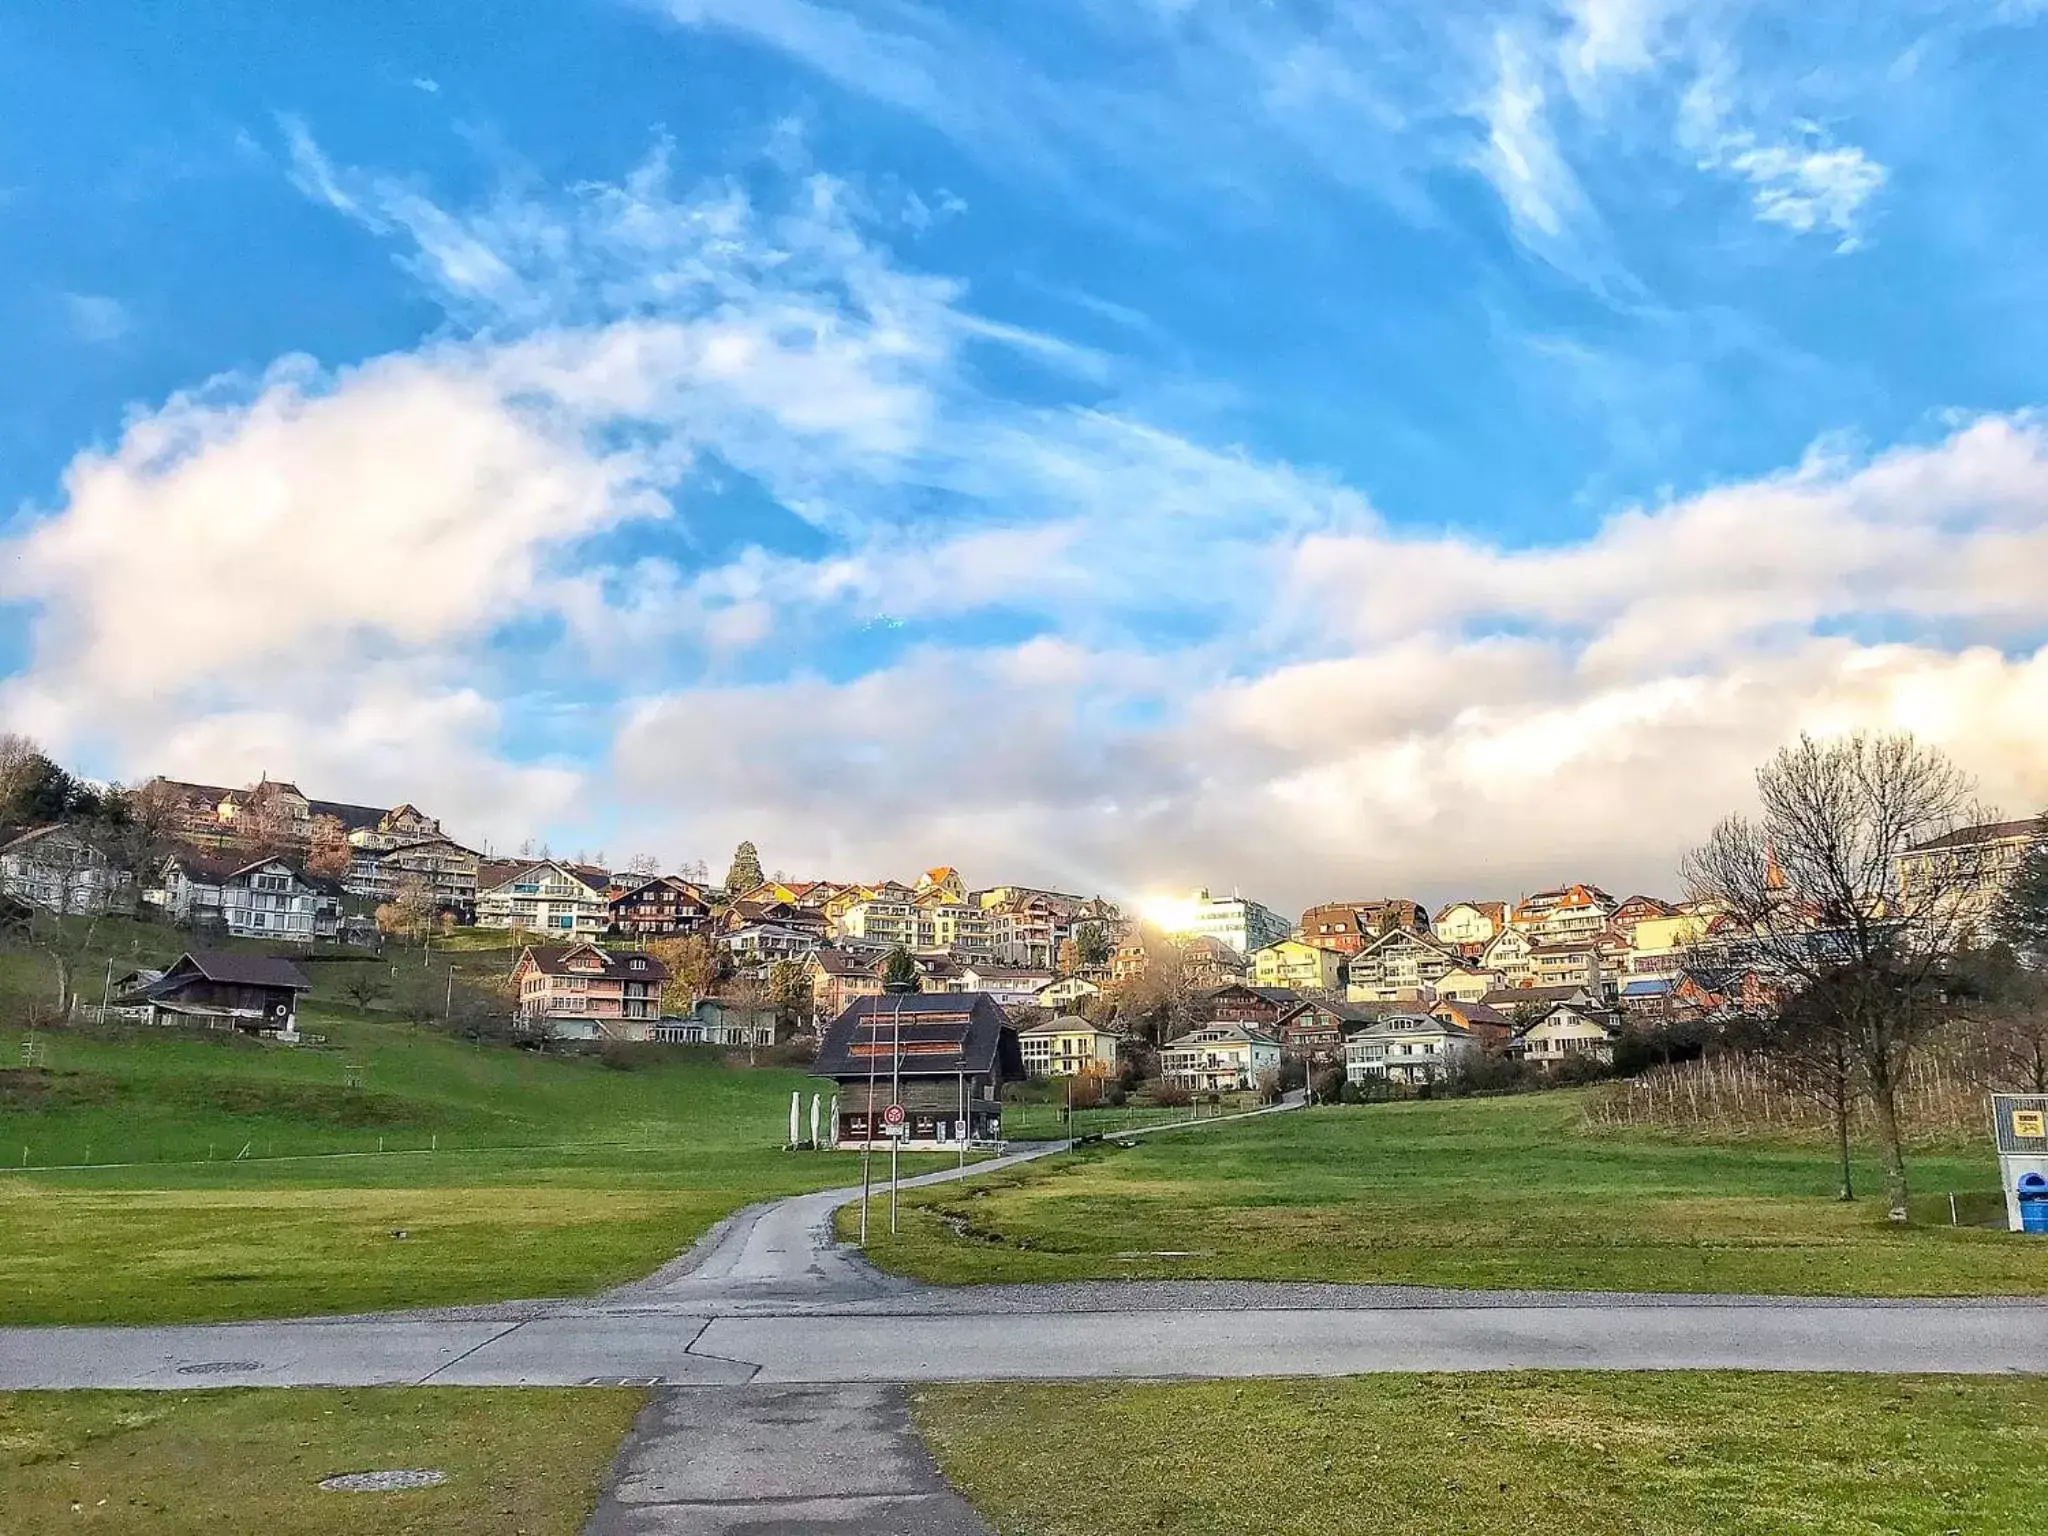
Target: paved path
804, 1461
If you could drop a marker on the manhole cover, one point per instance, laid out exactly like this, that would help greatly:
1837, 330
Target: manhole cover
220, 1367
384, 1482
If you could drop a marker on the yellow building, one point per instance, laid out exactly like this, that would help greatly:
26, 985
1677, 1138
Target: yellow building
1300, 965
1068, 1046
1658, 945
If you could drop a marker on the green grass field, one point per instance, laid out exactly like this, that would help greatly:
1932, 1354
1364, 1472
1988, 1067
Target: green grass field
1492, 1193
249, 1463
553, 1175
1548, 1454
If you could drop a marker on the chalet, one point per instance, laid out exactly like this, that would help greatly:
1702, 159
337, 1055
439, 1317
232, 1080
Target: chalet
1241, 1004
944, 1057
56, 869
563, 901
1467, 983
1469, 926
838, 976
1564, 1032
1563, 913
1407, 1048
1068, 1046
381, 865
1012, 986
1622, 921
1398, 966
1508, 956
1064, 995
583, 992
1313, 1030
1220, 1058
213, 989
1299, 965
756, 946
663, 907
1522, 1002
268, 898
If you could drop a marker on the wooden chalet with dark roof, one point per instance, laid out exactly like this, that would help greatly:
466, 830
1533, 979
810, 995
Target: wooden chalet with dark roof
1241, 1003
220, 989
944, 1056
660, 907
1314, 1029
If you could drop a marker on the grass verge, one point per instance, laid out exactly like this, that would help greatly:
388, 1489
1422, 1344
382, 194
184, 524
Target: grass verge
553, 1175
1489, 1193
1539, 1454
249, 1463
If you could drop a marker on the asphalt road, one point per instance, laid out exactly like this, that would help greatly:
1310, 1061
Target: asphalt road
769, 1298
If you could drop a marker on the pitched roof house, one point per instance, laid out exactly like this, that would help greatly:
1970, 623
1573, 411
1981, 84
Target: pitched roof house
942, 1056
219, 989
584, 992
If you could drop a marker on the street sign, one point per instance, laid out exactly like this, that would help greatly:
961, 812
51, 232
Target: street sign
893, 1121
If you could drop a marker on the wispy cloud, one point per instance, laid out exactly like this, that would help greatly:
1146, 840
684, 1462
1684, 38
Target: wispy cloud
97, 319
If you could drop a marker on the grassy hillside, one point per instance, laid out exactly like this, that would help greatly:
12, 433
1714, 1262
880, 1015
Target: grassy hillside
547, 1175
1495, 1193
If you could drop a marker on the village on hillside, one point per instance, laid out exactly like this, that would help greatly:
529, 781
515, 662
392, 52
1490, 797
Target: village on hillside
1205, 994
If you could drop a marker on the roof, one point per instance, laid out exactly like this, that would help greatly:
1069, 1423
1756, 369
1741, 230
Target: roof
1411, 1023
837, 962
1988, 832
1227, 1029
1012, 973
354, 817
1566, 947
940, 1034
553, 960
1344, 1012
1065, 1024
16, 837
1514, 997
233, 968
1606, 1026
1473, 1013
505, 873
1282, 995
673, 882
1648, 986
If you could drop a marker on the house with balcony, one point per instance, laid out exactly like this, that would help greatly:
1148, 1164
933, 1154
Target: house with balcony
1241, 1003
1313, 1030
382, 866
757, 946
1494, 1030
1564, 913
1398, 966
659, 908
1469, 926
1508, 957
1220, 1058
584, 992
1565, 1032
1571, 964
1013, 986
1067, 993
58, 870
1068, 1046
1408, 1048
548, 897
838, 976
1968, 869
1300, 966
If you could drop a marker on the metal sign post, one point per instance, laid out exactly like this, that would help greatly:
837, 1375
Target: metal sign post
897, 1127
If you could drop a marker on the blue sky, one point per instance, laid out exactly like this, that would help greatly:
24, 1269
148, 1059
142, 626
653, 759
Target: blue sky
1113, 442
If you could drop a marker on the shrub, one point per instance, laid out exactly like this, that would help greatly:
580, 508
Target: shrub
1330, 1085
1170, 1095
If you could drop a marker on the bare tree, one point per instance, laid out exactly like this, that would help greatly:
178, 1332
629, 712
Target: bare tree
1810, 898
20, 760
1163, 1000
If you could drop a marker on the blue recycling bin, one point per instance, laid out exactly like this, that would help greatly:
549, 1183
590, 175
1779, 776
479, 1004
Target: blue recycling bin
2033, 1192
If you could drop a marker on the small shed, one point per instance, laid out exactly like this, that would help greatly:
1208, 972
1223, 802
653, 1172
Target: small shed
943, 1056
222, 989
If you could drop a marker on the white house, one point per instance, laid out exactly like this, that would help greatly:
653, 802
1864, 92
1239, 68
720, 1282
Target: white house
56, 869
547, 898
263, 899
1067, 1047
1398, 966
1066, 994
1220, 1058
759, 944
1565, 1032
1011, 986
1407, 1048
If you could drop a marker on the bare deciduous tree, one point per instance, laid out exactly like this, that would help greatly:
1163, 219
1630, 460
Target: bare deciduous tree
1810, 898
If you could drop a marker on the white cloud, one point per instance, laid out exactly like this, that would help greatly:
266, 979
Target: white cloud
96, 318
1611, 36
1810, 186
1521, 158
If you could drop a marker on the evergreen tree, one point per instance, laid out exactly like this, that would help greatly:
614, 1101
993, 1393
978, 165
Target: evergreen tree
1091, 944
2022, 916
745, 873
899, 970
